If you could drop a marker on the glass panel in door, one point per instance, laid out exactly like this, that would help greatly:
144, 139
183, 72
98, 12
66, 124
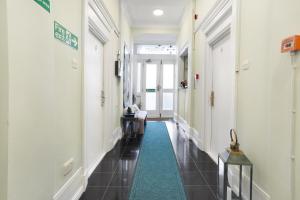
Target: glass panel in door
151, 85
167, 91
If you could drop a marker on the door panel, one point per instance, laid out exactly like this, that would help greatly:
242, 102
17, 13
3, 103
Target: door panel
223, 87
93, 108
167, 92
151, 93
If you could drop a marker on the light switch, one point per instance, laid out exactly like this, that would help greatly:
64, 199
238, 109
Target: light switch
75, 64
245, 65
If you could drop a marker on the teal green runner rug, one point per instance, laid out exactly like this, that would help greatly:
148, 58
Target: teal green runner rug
157, 175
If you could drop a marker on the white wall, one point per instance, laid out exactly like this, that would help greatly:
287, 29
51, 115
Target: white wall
264, 91
126, 38
45, 99
3, 101
297, 138
186, 40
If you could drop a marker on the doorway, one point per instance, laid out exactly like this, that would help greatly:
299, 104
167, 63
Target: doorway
222, 95
93, 101
219, 90
158, 87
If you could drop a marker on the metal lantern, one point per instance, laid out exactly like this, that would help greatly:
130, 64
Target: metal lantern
235, 173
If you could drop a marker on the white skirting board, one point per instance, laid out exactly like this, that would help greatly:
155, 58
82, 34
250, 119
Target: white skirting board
190, 132
116, 136
197, 138
75, 186
72, 189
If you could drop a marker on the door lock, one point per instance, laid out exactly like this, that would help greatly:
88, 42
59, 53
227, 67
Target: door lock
212, 99
102, 98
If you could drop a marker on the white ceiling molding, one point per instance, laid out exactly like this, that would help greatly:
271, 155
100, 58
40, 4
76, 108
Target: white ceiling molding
97, 31
97, 24
212, 14
104, 15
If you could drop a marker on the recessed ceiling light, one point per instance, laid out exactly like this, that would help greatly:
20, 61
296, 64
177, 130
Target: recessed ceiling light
158, 12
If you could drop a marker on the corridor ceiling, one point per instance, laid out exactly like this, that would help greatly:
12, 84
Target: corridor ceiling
141, 12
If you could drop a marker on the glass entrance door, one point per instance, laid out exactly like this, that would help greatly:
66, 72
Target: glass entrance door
159, 88
167, 88
151, 88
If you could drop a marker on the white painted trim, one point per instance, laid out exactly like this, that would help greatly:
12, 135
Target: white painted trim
107, 17
257, 192
76, 185
184, 51
189, 132
116, 136
197, 138
72, 189
100, 23
97, 23
211, 15
91, 169
220, 21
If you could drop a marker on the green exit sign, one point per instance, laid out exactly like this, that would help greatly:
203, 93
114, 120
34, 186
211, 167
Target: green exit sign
62, 34
44, 3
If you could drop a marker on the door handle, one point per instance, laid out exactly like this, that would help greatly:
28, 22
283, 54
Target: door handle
212, 99
158, 87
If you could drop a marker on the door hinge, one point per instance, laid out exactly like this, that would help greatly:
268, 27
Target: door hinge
212, 98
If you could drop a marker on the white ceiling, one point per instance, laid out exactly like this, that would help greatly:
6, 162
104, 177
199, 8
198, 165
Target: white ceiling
141, 12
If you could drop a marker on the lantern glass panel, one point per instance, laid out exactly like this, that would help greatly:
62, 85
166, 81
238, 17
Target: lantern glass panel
234, 176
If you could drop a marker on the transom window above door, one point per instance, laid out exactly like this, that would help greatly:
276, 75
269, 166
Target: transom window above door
156, 49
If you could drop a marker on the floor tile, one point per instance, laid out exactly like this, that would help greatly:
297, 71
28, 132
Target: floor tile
107, 166
116, 193
121, 180
214, 189
193, 178
188, 166
207, 166
93, 194
114, 175
126, 166
100, 179
199, 193
210, 177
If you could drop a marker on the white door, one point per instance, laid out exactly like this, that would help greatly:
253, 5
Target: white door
151, 93
93, 101
223, 87
159, 90
167, 88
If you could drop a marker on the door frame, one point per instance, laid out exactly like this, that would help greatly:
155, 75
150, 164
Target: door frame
142, 59
151, 113
221, 19
96, 22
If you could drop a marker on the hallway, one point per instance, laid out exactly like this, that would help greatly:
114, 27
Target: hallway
78, 78
113, 177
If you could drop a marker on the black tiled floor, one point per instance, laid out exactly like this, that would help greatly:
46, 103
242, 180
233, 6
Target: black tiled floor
116, 193
113, 177
193, 178
199, 192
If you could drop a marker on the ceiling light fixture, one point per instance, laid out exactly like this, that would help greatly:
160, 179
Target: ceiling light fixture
158, 12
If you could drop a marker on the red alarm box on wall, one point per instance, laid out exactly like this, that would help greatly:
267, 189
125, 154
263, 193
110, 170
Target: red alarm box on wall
291, 44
